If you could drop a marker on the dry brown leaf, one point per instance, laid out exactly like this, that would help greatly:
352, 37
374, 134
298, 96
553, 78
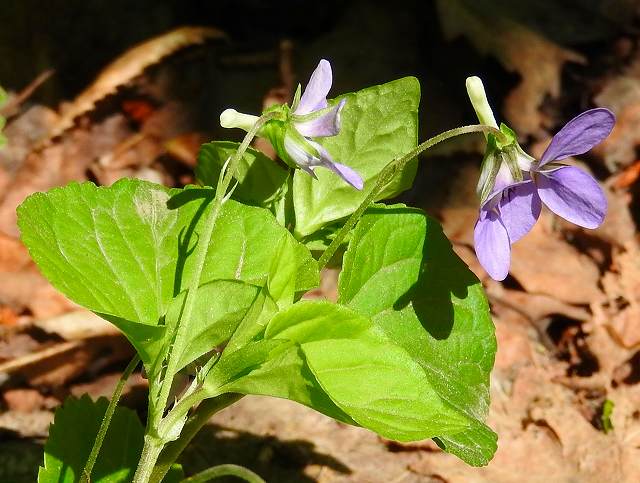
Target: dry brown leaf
538, 60
34, 424
28, 289
618, 228
628, 176
534, 306
60, 363
13, 254
23, 400
185, 147
514, 335
129, 66
543, 263
621, 285
621, 94
104, 386
24, 131
77, 325
58, 164
544, 435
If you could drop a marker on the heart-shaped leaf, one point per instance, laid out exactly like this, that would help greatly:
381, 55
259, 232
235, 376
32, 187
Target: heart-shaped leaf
378, 124
401, 271
126, 251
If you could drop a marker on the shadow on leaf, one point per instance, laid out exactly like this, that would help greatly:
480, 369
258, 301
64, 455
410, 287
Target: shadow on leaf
185, 244
443, 278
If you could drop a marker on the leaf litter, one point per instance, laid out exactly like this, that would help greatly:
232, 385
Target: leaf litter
566, 320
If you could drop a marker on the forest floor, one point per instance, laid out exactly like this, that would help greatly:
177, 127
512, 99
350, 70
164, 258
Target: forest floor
566, 384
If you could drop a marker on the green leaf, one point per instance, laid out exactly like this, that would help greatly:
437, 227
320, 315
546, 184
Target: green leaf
401, 271
254, 322
380, 386
219, 308
290, 263
310, 321
329, 358
276, 366
271, 368
605, 418
71, 438
378, 124
126, 251
375, 382
261, 181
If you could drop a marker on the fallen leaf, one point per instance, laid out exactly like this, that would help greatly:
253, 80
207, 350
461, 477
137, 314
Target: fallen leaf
34, 424
137, 109
621, 94
628, 176
8, 316
543, 263
622, 289
13, 254
538, 60
127, 67
535, 306
58, 164
104, 386
77, 325
185, 147
28, 289
618, 228
62, 362
23, 400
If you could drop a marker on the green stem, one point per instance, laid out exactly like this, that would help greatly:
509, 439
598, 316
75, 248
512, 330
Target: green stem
156, 430
199, 418
180, 410
150, 452
106, 420
203, 249
388, 173
225, 470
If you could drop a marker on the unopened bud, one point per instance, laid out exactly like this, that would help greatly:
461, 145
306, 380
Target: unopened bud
231, 118
478, 98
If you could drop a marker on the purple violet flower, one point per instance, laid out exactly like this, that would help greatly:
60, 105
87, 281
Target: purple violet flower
292, 133
514, 205
314, 118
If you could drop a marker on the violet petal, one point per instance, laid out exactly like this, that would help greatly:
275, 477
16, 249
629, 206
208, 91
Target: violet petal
315, 93
345, 172
299, 156
574, 195
579, 135
492, 244
326, 125
520, 208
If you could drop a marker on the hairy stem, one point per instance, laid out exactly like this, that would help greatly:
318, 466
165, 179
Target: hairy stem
225, 470
198, 419
154, 425
201, 255
388, 173
150, 452
106, 420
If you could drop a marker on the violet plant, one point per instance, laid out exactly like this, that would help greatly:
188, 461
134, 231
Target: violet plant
207, 283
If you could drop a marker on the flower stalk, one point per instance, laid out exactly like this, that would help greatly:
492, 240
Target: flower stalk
386, 176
